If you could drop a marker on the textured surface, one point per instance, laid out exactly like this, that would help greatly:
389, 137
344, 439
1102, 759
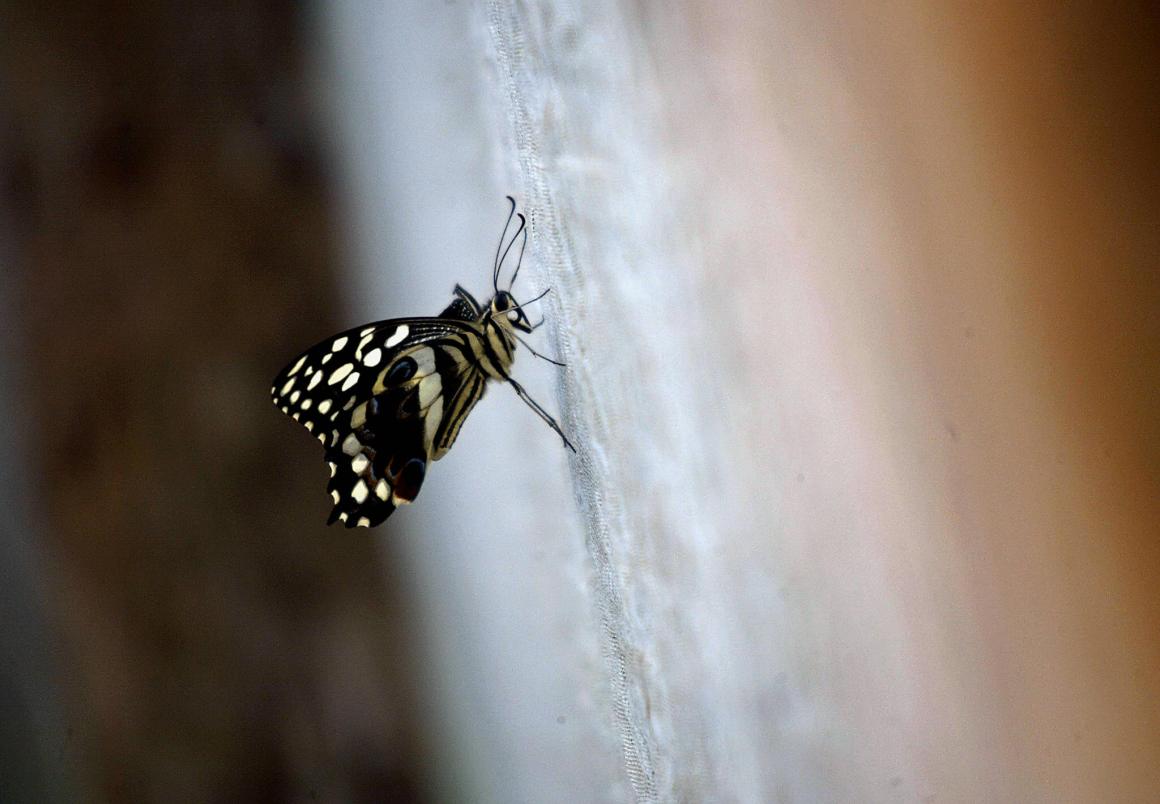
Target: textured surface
850, 522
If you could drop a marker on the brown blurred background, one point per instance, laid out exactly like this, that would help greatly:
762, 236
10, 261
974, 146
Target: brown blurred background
907, 252
169, 226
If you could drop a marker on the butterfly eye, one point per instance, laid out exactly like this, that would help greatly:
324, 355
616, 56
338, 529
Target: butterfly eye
402, 371
502, 302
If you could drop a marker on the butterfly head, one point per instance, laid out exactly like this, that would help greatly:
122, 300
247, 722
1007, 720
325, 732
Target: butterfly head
506, 311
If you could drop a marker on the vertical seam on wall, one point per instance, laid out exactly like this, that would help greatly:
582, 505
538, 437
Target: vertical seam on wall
508, 41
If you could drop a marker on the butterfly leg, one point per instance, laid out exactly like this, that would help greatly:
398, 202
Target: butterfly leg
537, 354
543, 414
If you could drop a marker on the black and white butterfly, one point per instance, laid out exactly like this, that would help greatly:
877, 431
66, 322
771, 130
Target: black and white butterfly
386, 399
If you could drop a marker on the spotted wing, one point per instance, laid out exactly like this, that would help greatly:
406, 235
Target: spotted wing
384, 400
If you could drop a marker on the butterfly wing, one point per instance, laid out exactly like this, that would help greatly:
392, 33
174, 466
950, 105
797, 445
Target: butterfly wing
384, 400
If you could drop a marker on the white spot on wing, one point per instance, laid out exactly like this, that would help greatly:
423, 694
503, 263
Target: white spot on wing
286, 388
359, 492
351, 445
339, 373
350, 381
334, 493
366, 333
383, 490
402, 332
372, 358
358, 463
341, 342
324, 406
359, 417
307, 403
317, 378
333, 466
363, 522
342, 517
294, 397
297, 366
326, 358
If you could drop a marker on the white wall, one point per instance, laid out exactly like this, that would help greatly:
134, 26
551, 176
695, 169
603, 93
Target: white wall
822, 539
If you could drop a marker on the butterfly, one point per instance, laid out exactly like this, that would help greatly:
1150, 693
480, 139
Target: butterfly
386, 399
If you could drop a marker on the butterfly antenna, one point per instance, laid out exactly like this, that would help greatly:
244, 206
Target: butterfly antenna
528, 346
502, 237
520, 261
503, 259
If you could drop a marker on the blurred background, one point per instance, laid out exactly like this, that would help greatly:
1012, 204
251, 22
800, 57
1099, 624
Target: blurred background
860, 310
170, 237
